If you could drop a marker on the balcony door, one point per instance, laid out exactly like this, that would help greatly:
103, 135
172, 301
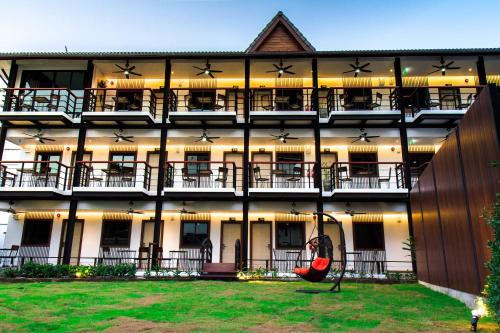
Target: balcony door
197, 162
260, 244
121, 170
153, 160
48, 172
76, 244
327, 161
237, 159
230, 232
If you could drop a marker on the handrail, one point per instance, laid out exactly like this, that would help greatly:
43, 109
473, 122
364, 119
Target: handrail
43, 89
107, 161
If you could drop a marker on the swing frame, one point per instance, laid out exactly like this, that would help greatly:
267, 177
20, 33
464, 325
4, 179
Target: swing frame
343, 258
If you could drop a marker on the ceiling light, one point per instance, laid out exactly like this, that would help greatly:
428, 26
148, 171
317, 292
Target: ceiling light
207, 71
443, 69
470, 69
390, 70
126, 73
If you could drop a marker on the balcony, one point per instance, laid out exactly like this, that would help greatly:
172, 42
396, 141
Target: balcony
112, 179
364, 180
122, 106
282, 179
438, 105
34, 179
206, 179
359, 106
291, 106
206, 106
35, 106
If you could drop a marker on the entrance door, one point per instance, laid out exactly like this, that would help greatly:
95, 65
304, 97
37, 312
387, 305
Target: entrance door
260, 244
327, 160
332, 230
76, 246
147, 233
237, 159
231, 231
262, 162
153, 159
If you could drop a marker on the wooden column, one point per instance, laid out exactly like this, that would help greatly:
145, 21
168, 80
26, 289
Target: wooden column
10, 84
246, 166
317, 147
481, 71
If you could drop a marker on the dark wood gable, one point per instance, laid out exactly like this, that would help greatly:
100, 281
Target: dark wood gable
280, 35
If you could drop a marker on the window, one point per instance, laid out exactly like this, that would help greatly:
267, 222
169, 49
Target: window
122, 163
47, 168
290, 235
193, 233
53, 79
363, 169
293, 161
195, 168
116, 233
368, 235
36, 232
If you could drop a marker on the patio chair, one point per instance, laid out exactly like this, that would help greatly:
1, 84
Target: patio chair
344, 102
222, 176
432, 103
186, 178
258, 177
343, 177
378, 101
265, 103
297, 105
466, 104
385, 180
296, 176
220, 102
53, 102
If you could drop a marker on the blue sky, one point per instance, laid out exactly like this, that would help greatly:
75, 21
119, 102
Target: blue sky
186, 25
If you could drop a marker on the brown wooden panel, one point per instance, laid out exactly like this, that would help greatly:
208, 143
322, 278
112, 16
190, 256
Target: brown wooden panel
432, 229
457, 239
280, 40
479, 146
418, 235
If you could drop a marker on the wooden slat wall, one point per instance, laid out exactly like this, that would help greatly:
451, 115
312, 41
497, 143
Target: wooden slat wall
280, 40
451, 197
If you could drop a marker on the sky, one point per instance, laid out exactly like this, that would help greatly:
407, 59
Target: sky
231, 25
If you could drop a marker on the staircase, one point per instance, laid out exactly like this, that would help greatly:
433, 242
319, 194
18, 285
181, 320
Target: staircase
219, 271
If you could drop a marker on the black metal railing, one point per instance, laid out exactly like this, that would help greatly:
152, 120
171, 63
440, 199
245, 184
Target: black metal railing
363, 175
106, 174
282, 99
202, 174
238, 258
122, 100
35, 174
282, 174
438, 98
360, 99
223, 100
44, 100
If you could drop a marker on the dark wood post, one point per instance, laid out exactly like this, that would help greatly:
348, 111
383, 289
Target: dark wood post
317, 147
161, 162
246, 166
481, 71
10, 84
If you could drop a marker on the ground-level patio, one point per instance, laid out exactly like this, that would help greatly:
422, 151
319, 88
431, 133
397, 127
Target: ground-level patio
205, 306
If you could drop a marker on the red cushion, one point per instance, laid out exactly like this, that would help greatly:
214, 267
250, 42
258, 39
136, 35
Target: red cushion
320, 264
301, 270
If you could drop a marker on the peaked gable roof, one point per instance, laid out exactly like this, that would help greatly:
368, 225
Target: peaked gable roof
280, 35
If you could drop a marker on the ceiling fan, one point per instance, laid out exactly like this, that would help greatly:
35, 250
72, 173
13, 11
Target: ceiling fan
207, 70
295, 212
131, 210
205, 138
281, 69
442, 67
350, 211
127, 70
363, 136
357, 68
120, 136
10, 209
283, 136
185, 211
38, 136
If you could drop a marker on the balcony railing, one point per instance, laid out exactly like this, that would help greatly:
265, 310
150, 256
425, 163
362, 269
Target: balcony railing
281, 99
202, 174
43, 100
223, 100
359, 99
18, 174
282, 174
439, 98
122, 100
113, 174
364, 175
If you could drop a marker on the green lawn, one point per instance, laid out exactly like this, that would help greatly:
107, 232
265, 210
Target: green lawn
174, 306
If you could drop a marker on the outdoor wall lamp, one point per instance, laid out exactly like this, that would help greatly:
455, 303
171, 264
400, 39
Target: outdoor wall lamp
474, 320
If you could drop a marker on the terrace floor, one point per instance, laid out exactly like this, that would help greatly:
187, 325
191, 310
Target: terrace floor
201, 306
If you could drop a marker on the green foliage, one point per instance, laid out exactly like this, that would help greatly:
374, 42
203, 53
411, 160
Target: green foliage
401, 276
36, 270
492, 290
409, 246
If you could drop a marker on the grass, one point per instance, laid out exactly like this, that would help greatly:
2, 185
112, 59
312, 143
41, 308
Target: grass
201, 306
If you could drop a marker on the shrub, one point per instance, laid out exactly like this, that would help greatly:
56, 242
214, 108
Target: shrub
492, 289
36, 270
